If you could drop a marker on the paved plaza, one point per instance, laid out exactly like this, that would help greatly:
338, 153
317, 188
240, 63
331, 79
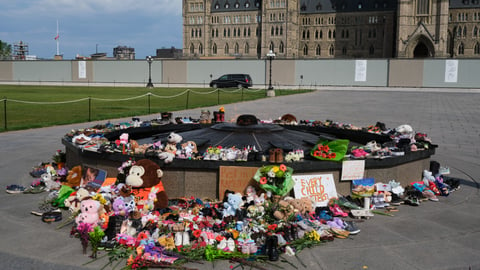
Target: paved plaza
435, 235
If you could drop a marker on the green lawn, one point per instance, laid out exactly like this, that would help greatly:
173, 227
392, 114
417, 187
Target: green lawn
26, 107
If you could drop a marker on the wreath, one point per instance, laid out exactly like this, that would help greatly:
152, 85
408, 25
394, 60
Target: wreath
330, 150
275, 178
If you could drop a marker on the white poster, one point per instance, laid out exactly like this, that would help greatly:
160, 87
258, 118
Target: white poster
82, 70
353, 169
360, 70
451, 71
320, 188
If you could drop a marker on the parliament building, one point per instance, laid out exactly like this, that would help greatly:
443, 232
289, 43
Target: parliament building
325, 29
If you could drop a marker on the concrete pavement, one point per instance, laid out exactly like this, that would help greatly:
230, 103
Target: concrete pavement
436, 235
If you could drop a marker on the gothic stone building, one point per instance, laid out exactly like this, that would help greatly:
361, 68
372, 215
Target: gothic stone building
319, 29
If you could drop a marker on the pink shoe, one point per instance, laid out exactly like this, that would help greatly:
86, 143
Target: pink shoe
337, 211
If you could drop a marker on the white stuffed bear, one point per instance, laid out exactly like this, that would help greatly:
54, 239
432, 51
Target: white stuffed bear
170, 149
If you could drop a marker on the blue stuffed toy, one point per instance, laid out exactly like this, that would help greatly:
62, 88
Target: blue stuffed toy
234, 202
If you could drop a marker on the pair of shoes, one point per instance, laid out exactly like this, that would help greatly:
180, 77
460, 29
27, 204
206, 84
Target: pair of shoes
396, 200
15, 189
412, 200
337, 211
182, 239
35, 189
249, 247
275, 155
44, 210
272, 248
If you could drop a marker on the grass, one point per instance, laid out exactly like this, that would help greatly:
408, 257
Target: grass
24, 107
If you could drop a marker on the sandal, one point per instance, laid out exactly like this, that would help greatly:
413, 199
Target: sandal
337, 211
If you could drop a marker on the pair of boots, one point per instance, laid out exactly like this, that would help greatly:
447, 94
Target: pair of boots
271, 248
219, 117
276, 155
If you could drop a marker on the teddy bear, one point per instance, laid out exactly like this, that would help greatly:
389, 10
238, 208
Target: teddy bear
73, 202
233, 203
303, 205
284, 209
74, 177
170, 149
143, 177
89, 212
119, 208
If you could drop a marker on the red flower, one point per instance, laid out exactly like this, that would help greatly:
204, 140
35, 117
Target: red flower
320, 147
317, 153
197, 233
326, 148
263, 180
332, 155
272, 227
283, 168
324, 155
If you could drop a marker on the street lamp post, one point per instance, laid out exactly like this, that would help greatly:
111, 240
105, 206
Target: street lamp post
149, 60
270, 91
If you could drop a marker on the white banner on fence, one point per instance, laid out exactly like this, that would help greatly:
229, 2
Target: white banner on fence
82, 69
360, 70
451, 71
319, 188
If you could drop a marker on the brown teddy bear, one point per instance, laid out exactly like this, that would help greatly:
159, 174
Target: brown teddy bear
285, 210
144, 178
74, 177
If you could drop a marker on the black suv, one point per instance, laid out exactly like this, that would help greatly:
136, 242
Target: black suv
232, 80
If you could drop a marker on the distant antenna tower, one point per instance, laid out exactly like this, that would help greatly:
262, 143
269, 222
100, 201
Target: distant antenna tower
20, 50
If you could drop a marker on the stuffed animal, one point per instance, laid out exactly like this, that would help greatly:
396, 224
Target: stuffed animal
73, 202
50, 184
119, 208
285, 209
170, 149
233, 203
142, 177
188, 150
74, 177
89, 212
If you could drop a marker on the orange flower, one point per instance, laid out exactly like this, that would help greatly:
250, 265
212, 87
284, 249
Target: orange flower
283, 168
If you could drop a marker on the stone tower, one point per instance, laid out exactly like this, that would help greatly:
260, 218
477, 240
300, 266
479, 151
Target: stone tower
422, 28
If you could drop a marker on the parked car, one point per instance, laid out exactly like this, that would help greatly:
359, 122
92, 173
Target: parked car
232, 80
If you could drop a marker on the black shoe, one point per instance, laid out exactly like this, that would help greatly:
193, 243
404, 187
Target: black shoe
272, 248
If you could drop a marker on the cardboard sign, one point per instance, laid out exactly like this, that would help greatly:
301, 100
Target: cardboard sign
319, 188
353, 169
235, 178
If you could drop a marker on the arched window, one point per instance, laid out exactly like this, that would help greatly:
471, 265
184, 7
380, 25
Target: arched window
308, 34
329, 34
276, 31
248, 31
316, 34
281, 30
303, 34
244, 32
459, 31
321, 34
236, 48
272, 31
224, 32
318, 50
334, 31
464, 31
346, 34
247, 48
461, 49
475, 31
214, 48
476, 49
305, 49
331, 50
281, 48
199, 32
200, 49
216, 32
227, 49
192, 49
213, 32
228, 31
193, 33
271, 47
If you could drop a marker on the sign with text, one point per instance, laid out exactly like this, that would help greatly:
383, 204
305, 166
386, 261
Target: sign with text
451, 70
82, 69
319, 188
235, 178
353, 169
360, 70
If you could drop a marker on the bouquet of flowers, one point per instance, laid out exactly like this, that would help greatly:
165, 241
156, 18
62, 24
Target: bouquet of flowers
330, 150
275, 178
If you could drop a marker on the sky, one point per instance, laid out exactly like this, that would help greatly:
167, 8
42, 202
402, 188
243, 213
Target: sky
90, 26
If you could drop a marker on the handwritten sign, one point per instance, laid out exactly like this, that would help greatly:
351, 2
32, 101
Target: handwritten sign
353, 169
235, 178
319, 188
360, 70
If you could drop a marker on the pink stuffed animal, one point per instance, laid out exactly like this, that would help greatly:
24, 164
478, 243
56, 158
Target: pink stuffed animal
89, 212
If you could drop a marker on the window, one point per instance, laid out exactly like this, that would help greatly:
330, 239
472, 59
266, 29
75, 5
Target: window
318, 50
226, 49
344, 51
236, 49
214, 48
476, 49
331, 50
475, 31
329, 34
193, 33
272, 31
459, 31
281, 30
305, 49
308, 34
271, 47
227, 5
217, 6
371, 50
461, 49
199, 32
281, 48
276, 31
247, 4
247, 48
303, 34
360, 5
200, 49
237, 5
464, 31
423, 7
316, 34
192, 49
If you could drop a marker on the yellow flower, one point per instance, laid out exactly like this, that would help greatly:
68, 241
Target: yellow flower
275, 169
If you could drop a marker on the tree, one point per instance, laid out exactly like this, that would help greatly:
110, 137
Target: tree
5, 50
